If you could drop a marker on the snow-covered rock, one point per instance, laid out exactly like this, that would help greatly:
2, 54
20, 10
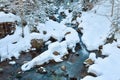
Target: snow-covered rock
12, 45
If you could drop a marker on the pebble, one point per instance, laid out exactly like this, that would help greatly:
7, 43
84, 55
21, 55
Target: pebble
25, 62
1, 69
41, 70
63, 68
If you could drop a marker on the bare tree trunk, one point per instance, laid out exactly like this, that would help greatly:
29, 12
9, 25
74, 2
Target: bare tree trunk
22, 16
112, 10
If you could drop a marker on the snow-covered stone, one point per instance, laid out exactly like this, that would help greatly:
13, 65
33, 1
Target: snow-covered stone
12, 62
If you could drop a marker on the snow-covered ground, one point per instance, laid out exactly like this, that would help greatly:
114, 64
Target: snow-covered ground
96, 27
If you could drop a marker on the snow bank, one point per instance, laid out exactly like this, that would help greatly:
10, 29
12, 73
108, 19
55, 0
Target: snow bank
9, 17
95, 29
96, 26
107, 68
12, 45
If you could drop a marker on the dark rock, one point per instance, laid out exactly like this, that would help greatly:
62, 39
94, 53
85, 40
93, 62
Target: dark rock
24, 23
73, 78
92, 74
79, 30
14, 42
18, 75
65, 57
77, 54
70, 11
41, 70
1, 70
100, 47
44, 32
53, 39
88, 62
78, 47
37, 43
67, 33
53, 18
34, 29
56, 53
63, 14
118, 46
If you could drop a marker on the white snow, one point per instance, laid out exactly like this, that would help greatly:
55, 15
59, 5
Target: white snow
107, 68
96, 27
92, 56
9, 17
12, 62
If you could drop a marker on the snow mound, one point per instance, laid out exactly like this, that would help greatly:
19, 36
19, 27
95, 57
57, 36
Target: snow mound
95, 29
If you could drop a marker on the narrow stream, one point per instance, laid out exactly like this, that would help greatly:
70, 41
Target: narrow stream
73, 66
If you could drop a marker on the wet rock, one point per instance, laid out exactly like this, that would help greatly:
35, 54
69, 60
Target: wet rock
87, 6
67, 33
56, 53
44, 32
52, 39
25, 62
118, 45
53, 18
63, 68
100, 47
37, 43
78, 47
18, 75
69, 11
73, 78
77, 54
88, 62
14, 42
75, 15
79, 30
1, 70
41, 70
34, 29
92, 74
84, 71
64, 57
63, 14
